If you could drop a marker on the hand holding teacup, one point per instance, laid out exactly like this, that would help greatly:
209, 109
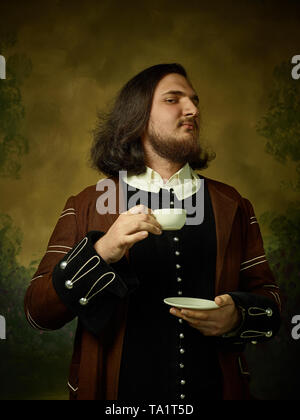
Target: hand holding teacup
130, 227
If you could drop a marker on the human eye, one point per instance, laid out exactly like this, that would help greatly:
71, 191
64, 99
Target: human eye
171, 100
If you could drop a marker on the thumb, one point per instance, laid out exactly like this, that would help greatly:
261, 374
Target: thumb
222, 300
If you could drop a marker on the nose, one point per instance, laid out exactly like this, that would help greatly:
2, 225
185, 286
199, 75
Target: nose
190, 109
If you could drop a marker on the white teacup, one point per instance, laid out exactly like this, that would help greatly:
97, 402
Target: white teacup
170, 219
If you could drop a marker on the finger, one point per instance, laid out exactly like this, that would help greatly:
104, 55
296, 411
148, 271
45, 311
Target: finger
150, 219
138, 226
136, 237
141, 212
205, 326
140, 208
223, 300
190, 316
143, 222
195, 314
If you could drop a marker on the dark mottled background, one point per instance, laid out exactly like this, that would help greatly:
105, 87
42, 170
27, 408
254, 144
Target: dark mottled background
68, 61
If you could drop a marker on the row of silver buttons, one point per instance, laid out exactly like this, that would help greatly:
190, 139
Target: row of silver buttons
181, 335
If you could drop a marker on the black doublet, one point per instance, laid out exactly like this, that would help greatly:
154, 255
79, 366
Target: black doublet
164, 359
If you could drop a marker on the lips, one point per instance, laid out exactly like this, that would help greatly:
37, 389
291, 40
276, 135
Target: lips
188, 125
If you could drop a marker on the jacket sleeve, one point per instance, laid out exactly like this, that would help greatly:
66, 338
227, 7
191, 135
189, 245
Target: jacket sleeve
73, 280
258, 297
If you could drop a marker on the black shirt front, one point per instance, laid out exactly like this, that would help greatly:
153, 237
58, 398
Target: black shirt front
164, 358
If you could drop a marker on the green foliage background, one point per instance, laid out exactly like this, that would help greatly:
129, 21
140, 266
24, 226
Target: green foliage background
13, 145
280, 127
33, 364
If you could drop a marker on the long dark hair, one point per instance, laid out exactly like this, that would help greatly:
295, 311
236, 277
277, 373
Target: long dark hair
117, 137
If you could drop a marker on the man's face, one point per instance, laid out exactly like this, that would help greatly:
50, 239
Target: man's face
173, 127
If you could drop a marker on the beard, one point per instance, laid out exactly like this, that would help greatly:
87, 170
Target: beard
175, 149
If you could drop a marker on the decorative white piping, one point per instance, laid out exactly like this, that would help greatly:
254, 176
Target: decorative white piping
66, 214
260, 311
251, 223
36, 277
275, 294
30, 321
260, 262
71, 256
253, 259
70, 386
69, 283
70, 208
34, 324
60, 252
59, 246
277, 298
245, 334
74, 280
243, 372
103, 275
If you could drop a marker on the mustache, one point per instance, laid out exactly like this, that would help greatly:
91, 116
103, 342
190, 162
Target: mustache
190, 120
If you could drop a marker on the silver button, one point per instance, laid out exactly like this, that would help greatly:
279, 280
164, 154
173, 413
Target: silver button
182, 396
181, 365
69, 284
269, 312
63, 265
179, 279
177, 253
269, 334
253, 342
181, 335
178, 266
176, 239
181, 351
179, 293
83, 301
180, 320
172, 203
182, 382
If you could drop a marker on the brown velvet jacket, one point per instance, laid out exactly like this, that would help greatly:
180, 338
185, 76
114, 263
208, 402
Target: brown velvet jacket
241, 266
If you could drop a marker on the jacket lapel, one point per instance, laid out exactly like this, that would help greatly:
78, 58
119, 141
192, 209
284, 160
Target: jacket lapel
224, 209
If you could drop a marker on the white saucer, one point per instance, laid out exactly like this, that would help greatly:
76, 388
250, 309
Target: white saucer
191, 303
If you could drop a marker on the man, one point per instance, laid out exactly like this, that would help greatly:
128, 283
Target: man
118, 266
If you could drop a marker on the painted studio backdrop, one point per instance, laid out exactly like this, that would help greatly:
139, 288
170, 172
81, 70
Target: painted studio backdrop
62, 62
